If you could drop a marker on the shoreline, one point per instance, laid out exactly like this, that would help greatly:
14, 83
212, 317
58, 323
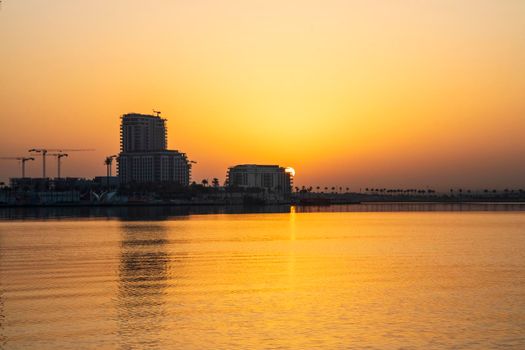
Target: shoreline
136, 212
225, 205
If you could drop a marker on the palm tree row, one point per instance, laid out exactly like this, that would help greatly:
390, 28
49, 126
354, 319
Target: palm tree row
389, 191
487, 191
215, 182
398, 191
333, 189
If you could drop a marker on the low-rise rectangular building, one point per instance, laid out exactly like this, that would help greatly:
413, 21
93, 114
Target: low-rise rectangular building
271, 178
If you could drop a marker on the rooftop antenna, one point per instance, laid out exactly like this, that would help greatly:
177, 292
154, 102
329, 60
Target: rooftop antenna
157, 113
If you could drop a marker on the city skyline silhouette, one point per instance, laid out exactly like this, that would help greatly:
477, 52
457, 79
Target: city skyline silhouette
349, 94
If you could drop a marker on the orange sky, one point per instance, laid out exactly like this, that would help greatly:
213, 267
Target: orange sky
368, 93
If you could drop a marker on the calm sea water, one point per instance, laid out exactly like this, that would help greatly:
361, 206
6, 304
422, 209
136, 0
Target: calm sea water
286, 280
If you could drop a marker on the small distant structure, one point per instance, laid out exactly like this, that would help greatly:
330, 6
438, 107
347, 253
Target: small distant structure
107, 181
271, 178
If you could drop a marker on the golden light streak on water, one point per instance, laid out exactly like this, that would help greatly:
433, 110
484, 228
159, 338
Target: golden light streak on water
293, 280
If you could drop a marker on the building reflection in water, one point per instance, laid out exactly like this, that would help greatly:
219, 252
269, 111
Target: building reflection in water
143, 281
129, 213
158, 213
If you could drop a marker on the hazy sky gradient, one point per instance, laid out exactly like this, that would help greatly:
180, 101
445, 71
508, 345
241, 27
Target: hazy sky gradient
349, 93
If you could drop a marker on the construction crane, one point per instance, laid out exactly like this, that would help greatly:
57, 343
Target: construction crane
109, 162
22, 160
157, 113
58, 156
43, 152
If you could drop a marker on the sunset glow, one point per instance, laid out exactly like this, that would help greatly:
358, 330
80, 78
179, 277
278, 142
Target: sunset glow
350, 93
262, 174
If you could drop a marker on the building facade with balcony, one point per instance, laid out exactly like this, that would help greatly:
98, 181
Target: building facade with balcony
142, 133
144, 157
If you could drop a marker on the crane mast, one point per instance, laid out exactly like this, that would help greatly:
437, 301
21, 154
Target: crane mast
44, 151
59, 156
22, 160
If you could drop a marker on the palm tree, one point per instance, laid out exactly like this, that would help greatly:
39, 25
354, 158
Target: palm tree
204, 182
215, 182
317, 188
